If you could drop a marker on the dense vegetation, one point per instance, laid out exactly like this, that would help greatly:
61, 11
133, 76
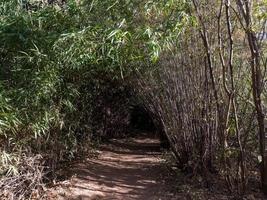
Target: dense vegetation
71, 70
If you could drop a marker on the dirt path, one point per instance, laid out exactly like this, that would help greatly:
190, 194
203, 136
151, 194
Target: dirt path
125, 170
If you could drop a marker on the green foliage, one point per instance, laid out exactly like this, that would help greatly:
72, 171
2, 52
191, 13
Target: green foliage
55, 61
65, 70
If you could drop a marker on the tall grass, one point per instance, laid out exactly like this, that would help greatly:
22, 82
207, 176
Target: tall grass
60, 62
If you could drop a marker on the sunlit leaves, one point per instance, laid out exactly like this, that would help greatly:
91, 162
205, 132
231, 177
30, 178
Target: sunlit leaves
54, 57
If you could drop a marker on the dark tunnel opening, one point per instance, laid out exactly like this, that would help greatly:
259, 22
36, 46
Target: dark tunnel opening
141, 120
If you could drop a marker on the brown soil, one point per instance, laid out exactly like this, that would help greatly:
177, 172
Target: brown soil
135, 169
126, 169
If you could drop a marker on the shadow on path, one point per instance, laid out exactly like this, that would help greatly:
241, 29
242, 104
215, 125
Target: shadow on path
126, 169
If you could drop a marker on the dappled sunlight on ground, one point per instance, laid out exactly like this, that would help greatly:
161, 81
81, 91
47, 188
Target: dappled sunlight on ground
126, 169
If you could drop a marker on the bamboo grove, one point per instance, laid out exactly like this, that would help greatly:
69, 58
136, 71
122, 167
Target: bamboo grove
197, 66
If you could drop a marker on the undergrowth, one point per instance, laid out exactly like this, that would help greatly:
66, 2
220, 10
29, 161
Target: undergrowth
62, 73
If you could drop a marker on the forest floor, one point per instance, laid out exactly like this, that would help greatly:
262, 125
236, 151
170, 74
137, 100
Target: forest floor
132, 169
125, 169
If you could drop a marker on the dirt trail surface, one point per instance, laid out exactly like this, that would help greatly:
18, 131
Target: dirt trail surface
126, 169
